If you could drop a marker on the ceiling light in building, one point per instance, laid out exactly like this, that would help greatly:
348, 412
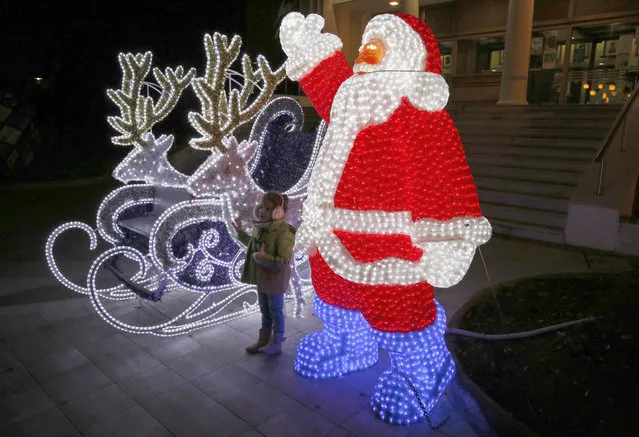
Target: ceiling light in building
393, 3
604, 96
593, 92
612, 87
38, 79
586, 86
600, 86
614, 93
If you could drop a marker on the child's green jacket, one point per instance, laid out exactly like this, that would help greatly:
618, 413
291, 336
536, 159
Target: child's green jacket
272, 276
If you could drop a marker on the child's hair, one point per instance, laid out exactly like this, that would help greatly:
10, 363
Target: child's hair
277, 199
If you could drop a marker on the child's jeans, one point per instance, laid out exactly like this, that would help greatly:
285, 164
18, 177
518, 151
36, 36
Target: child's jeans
272, 309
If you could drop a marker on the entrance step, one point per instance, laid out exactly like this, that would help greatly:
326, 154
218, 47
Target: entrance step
527, 160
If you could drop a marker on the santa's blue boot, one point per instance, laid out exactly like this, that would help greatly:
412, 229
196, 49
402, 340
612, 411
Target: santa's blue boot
345, 345
421, 368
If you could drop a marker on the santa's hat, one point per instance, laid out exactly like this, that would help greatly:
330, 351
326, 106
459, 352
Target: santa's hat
433, 61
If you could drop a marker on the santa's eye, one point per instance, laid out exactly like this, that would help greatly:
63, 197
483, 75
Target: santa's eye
371, 47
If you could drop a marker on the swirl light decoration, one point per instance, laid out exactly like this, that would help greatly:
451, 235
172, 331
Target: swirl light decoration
177, 227
392, 208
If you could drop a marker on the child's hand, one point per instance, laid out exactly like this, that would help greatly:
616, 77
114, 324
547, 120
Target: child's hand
260, 257
237, 224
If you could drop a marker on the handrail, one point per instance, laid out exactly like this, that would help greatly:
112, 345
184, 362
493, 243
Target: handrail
621, 117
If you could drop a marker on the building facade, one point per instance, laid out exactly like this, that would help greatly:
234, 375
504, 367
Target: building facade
517, 51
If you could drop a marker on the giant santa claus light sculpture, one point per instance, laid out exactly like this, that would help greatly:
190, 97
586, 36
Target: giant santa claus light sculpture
392, 208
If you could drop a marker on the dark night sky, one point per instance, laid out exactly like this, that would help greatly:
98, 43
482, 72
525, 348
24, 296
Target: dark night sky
75, 43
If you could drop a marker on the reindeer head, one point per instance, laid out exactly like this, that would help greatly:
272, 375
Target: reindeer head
148, 162
138, 113
225, 173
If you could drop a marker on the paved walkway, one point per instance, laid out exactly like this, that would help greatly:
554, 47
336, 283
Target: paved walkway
65, 372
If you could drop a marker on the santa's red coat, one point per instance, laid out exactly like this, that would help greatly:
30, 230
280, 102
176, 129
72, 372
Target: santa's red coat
412, 162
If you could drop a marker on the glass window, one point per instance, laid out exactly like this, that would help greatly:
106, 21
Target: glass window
446, 50
603, 66
547, 54
490, 54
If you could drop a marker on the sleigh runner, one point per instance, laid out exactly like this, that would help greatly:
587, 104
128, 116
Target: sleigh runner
177, 227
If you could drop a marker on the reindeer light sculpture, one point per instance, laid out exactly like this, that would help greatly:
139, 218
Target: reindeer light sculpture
187, 243
148, 160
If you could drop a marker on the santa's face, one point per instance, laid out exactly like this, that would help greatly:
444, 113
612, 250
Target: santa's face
371, 53
389, 44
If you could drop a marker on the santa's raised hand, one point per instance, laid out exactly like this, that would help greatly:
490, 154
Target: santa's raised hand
304, 43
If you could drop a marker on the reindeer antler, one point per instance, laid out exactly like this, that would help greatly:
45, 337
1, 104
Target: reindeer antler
221, 113
138, 112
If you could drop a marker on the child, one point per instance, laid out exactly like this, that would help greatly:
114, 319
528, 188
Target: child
268, 265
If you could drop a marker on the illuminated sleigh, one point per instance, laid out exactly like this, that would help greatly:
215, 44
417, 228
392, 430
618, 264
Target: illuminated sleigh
177, 227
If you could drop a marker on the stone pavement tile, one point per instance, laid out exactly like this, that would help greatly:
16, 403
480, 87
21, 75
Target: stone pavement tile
214, 334
30, 347
251, 323
149, 342
234, 345
317, 327
82, 330
338, 431
17, 407
66, 310
56, 363
243, 393
303, 323
336, 400
289, 346
14, 325
249, 432
75, 382
133, 422
96, 406
366, 424
187, 411
175, 348
199, 362
51, 423
124, 366
14, 377
365, 380
296, 420
105, 348
278, 372
151, 382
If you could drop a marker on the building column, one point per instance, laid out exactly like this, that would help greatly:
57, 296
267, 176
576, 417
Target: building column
409, 7
328, 13
514, 77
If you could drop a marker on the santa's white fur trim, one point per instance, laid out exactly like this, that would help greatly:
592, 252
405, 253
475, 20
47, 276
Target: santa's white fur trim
454, 240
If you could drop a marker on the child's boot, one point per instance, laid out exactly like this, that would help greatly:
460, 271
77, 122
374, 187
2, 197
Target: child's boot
421, 368
263, 340
275, 346
345, 345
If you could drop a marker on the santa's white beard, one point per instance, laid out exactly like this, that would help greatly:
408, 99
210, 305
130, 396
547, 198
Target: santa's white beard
361, 101
366, 100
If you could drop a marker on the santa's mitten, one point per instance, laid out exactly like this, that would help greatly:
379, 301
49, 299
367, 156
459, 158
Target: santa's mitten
449, 247
304, 44
447, 262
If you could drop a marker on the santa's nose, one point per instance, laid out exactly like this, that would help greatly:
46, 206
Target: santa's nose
372, 52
